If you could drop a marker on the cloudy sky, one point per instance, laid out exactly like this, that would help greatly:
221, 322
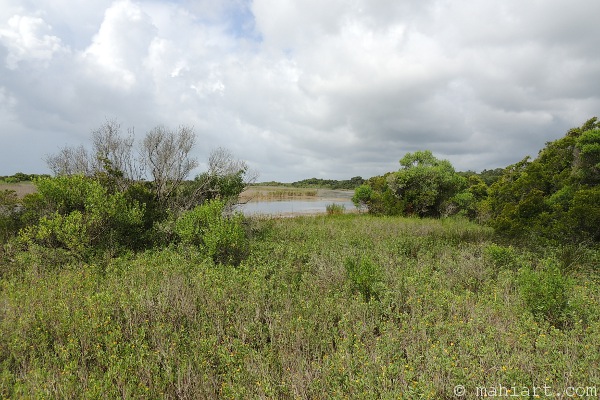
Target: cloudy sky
301, 88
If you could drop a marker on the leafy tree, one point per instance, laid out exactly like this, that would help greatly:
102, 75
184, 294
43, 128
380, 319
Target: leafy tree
555, 195
425, 184
362, 197
351, 183
489, 176
587, 157
376, 196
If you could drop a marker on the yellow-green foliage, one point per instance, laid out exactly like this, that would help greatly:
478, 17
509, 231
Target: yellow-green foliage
79, 214
349, 306
221, 237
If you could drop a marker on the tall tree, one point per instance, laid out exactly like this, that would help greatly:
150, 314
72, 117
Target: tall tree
554, 196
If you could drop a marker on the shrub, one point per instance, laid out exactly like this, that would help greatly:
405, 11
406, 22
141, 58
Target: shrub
546, 293
571, 257
334, 209
501, 256
221, 237
365, 277
78, 214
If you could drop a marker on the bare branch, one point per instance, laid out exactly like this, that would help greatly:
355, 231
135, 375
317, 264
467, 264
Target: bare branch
167, 155
70, 161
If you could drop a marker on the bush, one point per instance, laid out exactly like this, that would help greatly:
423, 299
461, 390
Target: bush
78, 214
221, 237
334, 209
365, 277
546, 293
502, 257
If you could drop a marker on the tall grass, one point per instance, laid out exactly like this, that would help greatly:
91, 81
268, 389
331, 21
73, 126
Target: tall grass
278, 193
348, 306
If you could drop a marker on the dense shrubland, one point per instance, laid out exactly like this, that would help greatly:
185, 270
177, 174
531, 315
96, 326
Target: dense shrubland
554, 197
348, 306
112, 285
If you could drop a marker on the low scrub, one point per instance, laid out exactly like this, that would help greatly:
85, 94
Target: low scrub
221, 237
345, 306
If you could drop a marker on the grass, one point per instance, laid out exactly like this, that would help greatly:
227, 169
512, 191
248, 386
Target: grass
343, 306
255, 193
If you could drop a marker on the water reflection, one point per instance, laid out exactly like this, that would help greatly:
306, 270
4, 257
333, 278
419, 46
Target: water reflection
292, 207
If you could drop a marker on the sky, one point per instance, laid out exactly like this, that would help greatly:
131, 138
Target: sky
301, 88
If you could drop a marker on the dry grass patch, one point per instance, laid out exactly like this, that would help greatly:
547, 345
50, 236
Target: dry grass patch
21, 188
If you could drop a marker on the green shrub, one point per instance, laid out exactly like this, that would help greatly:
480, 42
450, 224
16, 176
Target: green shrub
546, 293
78, 214
222, 238
334, 209
501, 256
365, 277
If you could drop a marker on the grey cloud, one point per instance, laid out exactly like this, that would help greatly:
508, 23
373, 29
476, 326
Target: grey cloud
299, 89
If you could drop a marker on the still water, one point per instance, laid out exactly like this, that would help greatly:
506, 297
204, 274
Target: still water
292, 207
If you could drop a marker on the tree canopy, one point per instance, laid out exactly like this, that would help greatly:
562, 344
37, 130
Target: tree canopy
555, 196
424, 186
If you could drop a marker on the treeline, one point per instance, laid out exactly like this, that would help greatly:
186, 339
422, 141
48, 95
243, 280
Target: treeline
99, 202
21, 177
554, 197
333, 184
351, 183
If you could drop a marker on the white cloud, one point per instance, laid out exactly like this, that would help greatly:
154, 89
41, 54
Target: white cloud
122, 43
305, 87
27, 38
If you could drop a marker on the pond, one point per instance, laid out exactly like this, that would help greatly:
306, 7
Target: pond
292, 207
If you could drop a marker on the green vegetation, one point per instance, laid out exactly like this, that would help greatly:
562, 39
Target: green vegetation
280, 192
554, 198
333, 184
322, 307
424, 186
113, 286
21, 177
334, 209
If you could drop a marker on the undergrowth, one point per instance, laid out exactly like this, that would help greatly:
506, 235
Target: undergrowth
344, 306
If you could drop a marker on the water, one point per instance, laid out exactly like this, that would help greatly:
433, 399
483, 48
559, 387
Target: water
292, 207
